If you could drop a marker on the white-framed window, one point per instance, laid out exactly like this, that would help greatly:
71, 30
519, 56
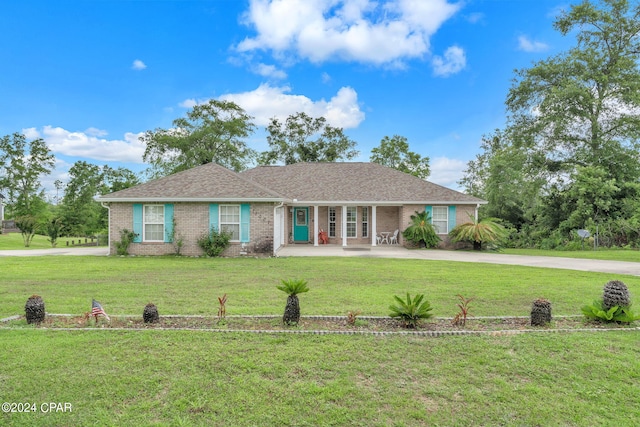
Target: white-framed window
332, 221
230, 220
352, 218
365, 221
440, 219
153, 223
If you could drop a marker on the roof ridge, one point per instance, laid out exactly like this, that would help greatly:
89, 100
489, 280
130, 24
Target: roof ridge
248, 180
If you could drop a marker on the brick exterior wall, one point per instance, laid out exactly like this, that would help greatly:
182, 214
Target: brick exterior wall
462, 215
192, 221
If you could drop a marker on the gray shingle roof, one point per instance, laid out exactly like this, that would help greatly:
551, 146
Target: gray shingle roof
206, 182
302, 182
351, 182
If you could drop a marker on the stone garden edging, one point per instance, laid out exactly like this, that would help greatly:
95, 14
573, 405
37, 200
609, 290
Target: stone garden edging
325, 332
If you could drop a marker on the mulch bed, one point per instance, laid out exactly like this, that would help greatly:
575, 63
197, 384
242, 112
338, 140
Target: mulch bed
324, 324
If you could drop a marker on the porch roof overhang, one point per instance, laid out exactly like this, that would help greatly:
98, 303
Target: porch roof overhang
296, 202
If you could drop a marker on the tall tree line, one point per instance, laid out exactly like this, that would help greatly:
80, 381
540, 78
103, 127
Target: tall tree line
568, 158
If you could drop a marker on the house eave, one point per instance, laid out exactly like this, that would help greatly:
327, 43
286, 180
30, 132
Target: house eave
188, 200
291, 202
295, 202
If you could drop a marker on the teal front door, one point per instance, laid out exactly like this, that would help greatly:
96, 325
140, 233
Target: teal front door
300, 224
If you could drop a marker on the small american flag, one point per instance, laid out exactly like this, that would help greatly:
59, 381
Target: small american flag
96, 310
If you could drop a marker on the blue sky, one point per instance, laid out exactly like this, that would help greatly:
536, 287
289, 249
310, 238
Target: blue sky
89, 77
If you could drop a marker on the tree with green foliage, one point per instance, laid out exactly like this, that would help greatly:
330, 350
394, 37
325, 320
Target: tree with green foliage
582, 107
81, 214
504, 175
53, 230
302, 138
573, 132
22, 164
28, 226
593, 194
210, 133
117, 179
394, 153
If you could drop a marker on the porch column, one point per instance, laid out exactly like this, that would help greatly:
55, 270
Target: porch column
374, 226
315, 225
344, 226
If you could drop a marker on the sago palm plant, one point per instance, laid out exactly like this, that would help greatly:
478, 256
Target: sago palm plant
489, 230
411, 311
292, 310
421, 231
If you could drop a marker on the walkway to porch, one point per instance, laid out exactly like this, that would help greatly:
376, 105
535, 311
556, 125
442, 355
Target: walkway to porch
395, 251
380, 251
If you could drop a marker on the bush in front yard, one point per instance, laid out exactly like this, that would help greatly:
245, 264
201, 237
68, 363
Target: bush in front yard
214, 242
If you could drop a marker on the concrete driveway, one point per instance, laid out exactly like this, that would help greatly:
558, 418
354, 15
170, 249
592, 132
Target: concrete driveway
93, 250
385, 251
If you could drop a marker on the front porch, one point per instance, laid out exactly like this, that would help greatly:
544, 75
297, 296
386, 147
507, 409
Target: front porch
365, 251
343, 225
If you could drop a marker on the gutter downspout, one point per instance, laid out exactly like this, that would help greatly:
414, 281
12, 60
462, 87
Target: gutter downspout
476, 211
275, 208
109, 227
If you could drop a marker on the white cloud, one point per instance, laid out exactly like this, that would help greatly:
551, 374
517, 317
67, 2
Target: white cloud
447, 172
31, 133
454, 61
138, 65
266, 102
270, 71
95, 132
326, 78
81, 144
378, 32
528, 45
189, 103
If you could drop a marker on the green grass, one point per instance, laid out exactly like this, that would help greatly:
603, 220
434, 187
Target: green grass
14, 241
238, 379
199, 378
337, 285
630, 255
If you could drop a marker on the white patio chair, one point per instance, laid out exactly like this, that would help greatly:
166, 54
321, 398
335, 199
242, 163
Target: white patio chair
379, 239
393, 240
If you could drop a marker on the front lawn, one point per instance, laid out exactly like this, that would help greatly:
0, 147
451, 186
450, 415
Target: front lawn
171, 377
14, 241
338, 285
630, 255
211, 379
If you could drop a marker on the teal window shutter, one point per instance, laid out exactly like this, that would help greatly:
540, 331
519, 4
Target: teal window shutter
214, 217
429, 210
452, 218
137, 222
245, 219
168, 222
